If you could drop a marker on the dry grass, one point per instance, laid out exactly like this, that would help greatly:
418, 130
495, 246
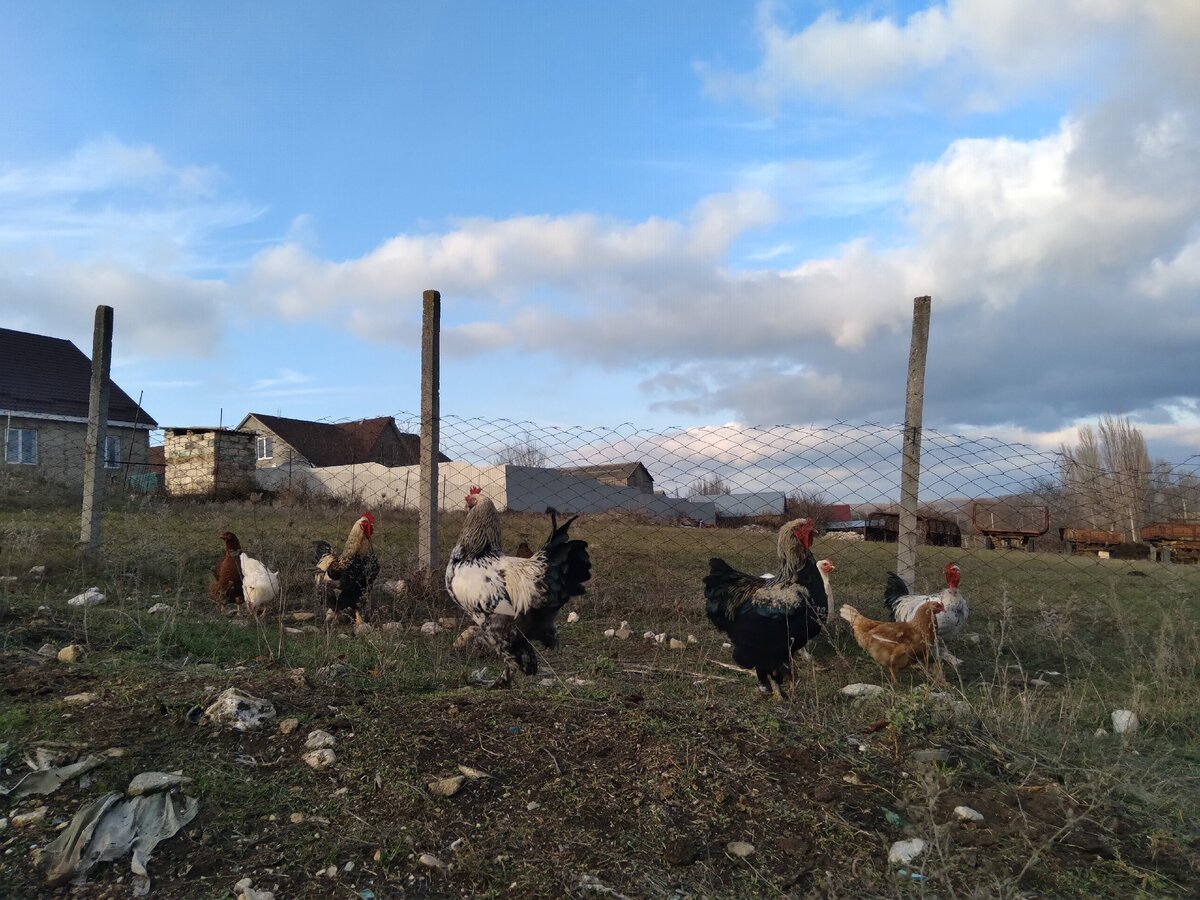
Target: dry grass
642, 762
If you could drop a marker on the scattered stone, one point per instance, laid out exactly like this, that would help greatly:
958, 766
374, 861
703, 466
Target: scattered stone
3, 823
740, 849
8, 579
447, 622
904, 852
71, 653
480, 676
572, 617
659, 638
1124, 721
1101, 732
393, 588
319, 740
25, 819
610, 632
287, 726
430, 861
677, 644
349, 866
239, 710
447, 787
472, 774
333, 670
974, 638
44, 612
861, 690
648, 636
320, 759
303, 616
90, 597
48, 650
430, 628
1039, 682
159, 608
691, 639
726, 646
390, 627
623, 632
532, 805
467, 637
37, 573
155, 782
81, 699
362, 628
966, 814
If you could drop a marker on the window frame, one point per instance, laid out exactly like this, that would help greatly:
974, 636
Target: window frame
264, 441
12, 431
114, 441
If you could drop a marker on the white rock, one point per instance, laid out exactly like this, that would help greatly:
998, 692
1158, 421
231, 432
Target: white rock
71, 653
471, 773
320, 759
319, 740
1101, 732
155, 782
572, 617
610, 632
676, 644
44, 612
691, 639
660, 637
467, 637
38, 572
431, 861
8, 579
904, 852
25, 819
648, 636
239, 710
159, 608
431, 628
861, 690
726, 646
1125, 721
243, 884
90, 597
966, 814
532, 805
360, 629
740, 849
287, 726
394, 588
81, 699
255, 894
623, 632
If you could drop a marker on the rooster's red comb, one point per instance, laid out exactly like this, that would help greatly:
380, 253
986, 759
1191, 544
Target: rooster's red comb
475, 489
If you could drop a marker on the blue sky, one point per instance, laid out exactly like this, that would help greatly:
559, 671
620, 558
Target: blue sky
665, 214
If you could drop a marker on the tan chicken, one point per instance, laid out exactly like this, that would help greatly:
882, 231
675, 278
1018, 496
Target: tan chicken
896, 645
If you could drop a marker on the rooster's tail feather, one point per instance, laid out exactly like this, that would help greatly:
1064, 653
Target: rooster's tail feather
893, 591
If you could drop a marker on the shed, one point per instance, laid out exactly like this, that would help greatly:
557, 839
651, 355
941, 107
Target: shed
215, 463
884, 525
622, 474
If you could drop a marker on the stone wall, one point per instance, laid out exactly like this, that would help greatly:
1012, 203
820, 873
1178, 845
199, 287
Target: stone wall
209, 462
60, 452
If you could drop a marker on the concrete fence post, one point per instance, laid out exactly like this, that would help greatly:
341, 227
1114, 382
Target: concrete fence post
97, 431
910, 471
427, 527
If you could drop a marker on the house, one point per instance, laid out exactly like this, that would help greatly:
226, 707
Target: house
760, 505
287, 443
45, 387
623, 474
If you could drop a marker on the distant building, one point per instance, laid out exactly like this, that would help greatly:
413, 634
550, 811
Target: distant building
624, 474
884, 525
749, 506
45, 388
283, 443
214, 463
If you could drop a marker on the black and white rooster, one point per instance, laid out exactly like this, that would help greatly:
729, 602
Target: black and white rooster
903, 607
343, 580
514, 600
769, 619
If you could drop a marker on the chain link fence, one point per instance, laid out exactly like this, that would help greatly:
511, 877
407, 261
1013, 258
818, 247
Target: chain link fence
1025, 525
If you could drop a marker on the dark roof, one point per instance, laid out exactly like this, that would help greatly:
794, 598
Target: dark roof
621, 470
342, 443
52, 377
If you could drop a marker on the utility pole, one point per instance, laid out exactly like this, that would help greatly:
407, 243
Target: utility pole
427, 527
910, 471
97, 431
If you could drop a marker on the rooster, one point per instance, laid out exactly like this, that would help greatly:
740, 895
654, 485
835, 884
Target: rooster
226, 586
260, 585
769, 619
896, 645
343, 580
903, 606
514, 600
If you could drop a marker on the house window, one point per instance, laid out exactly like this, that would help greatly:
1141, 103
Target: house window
20, 446
265, 447
112, 451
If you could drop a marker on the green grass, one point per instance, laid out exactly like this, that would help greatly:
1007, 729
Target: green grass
651, 761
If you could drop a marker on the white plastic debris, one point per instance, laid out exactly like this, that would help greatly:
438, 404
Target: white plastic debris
904, 852
238, 710
861, 690
90, 597
966, 814
1125, 721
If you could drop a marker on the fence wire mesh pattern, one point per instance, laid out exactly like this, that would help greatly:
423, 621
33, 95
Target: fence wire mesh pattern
641, 494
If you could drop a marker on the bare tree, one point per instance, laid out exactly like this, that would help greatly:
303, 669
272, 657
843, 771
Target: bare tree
523, 452
1107, 476
709, 486
812, 505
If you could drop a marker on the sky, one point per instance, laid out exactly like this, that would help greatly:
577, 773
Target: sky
662, 214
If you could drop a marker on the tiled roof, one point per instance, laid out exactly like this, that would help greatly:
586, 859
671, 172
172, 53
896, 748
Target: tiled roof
342, 443
52, 377
622, 470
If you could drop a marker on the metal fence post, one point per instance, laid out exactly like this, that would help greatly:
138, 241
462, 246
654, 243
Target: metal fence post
910, 472
97, 431
427, 528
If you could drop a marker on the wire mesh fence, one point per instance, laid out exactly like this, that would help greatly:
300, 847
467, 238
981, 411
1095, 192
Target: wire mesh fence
654, 504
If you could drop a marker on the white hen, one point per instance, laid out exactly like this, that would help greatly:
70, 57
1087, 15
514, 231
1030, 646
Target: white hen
260, 585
